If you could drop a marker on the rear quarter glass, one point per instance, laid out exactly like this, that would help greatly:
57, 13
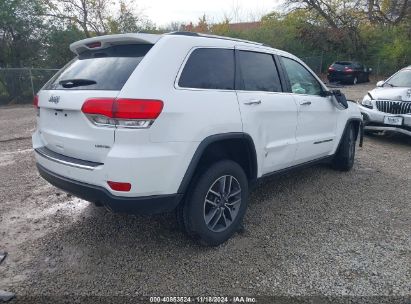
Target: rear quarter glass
209, 68
109, 68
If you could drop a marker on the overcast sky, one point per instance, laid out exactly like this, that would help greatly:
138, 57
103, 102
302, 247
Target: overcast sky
162, 12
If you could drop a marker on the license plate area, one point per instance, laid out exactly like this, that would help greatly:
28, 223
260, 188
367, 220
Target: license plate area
70, 133
393, 120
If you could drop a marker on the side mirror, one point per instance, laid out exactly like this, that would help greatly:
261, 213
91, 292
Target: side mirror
340, 98
380, 83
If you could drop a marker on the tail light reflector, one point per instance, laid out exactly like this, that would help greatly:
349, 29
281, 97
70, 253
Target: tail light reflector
116, 186
126, 113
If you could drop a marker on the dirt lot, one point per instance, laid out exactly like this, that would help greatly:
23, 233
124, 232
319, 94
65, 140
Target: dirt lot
313, 232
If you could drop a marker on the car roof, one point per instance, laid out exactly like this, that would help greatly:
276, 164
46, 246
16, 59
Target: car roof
143, 38
344, 62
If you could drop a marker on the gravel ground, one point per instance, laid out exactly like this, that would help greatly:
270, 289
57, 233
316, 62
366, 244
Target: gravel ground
312, 232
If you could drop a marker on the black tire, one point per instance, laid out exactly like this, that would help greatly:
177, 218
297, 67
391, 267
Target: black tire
344, 158
192, 213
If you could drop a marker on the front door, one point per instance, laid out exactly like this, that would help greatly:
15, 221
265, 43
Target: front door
268, 114
317, 116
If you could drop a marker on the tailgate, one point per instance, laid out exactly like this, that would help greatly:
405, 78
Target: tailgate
66, 130
94, 73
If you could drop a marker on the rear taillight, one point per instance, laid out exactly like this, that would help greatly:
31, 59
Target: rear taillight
330, 69
36, 101
36, 104
125, 113
349, 70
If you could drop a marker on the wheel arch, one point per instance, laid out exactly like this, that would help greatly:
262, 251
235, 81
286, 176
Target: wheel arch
358, 124
226, 146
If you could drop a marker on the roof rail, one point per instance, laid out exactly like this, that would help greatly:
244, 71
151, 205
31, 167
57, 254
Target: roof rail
193, 34
184, 34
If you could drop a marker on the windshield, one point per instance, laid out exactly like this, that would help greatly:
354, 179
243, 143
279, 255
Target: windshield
104, 69
401, 79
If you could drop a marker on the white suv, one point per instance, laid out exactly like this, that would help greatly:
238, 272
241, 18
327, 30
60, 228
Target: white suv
151, 123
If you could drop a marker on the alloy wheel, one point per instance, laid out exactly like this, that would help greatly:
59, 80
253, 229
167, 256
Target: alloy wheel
222, 203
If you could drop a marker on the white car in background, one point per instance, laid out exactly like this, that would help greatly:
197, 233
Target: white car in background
388, 106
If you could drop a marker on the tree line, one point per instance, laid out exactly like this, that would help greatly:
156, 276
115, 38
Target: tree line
37, 33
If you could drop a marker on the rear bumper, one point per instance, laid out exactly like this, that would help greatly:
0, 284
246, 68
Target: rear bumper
340, 77
99, 195
152, 169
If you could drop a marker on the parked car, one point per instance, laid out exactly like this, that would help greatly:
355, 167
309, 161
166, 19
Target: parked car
388, 106
186, 122
348, 72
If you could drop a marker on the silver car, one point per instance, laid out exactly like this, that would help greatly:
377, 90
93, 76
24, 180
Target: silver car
388, 106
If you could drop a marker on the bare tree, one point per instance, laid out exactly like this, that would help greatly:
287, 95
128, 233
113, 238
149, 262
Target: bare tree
89, 15
341, 13
388, 12
235, 14
97, 17
174, 26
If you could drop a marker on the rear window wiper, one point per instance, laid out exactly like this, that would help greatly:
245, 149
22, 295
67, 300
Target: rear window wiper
391, 85
71, 83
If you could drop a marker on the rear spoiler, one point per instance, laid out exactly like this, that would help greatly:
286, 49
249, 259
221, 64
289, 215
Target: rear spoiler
102, 42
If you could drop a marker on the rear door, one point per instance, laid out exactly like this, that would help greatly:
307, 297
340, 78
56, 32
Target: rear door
317, 115
268, 114
93, 73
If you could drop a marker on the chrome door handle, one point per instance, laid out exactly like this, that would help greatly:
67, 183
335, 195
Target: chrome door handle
305, 103
253, 102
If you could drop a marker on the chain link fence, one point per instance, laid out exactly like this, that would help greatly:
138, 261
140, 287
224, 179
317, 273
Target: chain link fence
19, 85
381, 67
315, 63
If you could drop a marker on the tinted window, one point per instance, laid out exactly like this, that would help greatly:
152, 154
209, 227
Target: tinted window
301, 80
209, 69
109, 68
341, 65
259, 72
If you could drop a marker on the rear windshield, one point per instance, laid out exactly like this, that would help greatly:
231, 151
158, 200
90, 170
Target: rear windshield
104, 69
342, 63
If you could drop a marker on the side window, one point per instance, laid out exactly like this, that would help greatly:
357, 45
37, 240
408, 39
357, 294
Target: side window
302, 82
259, 72
209, 68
